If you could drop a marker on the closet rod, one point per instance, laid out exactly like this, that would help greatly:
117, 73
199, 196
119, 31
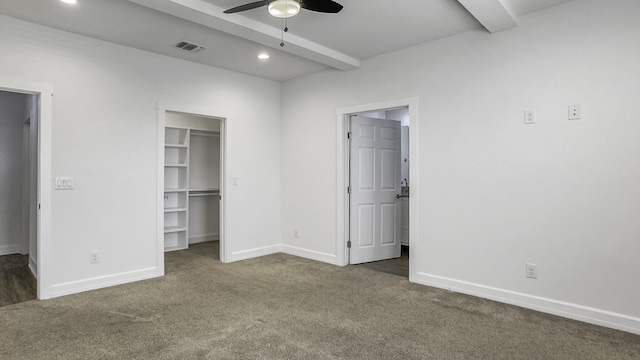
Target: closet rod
203, 134
199, 195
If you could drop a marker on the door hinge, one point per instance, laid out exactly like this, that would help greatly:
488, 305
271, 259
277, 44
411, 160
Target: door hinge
38, 206
349, 135
349, 244
348, 189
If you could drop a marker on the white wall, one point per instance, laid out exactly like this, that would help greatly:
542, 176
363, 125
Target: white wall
32, 191
400, 115
105, 136
12, 117
494, 193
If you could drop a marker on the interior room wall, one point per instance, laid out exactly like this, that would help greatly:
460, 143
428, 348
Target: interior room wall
105, 136
12, 117
32, 109
494, 193
25, 181
400, 115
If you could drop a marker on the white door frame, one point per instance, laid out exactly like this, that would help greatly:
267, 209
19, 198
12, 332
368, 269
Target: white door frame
200, 112
342, 178
44, 187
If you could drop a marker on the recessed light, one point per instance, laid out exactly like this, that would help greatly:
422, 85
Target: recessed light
70, 1
263, 56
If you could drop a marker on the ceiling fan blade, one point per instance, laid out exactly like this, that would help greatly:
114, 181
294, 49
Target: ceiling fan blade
246, 7
325, 6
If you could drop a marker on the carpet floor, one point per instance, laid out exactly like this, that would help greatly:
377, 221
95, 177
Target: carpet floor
285, 307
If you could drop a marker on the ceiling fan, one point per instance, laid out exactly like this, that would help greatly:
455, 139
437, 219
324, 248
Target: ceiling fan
288, 8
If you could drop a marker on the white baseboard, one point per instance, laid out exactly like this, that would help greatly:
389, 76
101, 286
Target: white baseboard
257, 252
203, 238
287, 249
568, 310
309, 254
9, 249
99, 282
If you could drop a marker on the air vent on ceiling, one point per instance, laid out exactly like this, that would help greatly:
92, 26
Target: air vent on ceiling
189, 46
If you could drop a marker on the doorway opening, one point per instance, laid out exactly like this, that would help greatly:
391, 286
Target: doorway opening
191, 159
379, 190
19, 154
374, 212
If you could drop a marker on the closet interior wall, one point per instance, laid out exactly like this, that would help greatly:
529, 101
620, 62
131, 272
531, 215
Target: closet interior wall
18, 175
192, 180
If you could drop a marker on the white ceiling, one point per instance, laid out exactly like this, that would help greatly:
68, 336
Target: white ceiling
315, 41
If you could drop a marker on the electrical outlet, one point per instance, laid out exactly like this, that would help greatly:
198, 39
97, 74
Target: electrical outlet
531, 271
529, 116
575, 112
295, 233
94, 257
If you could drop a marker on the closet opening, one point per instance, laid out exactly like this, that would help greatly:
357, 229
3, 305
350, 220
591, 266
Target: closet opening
19, 193
192, 211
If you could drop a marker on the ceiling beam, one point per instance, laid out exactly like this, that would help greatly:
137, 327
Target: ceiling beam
492, 14
209, 15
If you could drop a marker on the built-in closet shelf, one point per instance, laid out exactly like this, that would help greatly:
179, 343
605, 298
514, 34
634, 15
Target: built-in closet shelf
191, 181
203, 192
205, 133
175, 247
173, 229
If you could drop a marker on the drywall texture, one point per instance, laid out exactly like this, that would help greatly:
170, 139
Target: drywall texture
12, 117
494, 193
105, 136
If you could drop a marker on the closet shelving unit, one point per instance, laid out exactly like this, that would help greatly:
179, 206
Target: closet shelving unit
192, 190
176, 201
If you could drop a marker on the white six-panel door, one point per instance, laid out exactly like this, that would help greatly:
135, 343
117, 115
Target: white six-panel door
375, 182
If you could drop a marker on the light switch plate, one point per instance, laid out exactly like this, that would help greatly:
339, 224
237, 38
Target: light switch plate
64, 183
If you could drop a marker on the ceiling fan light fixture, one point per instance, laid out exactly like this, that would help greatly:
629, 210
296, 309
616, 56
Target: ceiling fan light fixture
284, 8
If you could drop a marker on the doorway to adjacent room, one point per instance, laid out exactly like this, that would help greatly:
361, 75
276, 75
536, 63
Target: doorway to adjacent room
374, 211
21, 170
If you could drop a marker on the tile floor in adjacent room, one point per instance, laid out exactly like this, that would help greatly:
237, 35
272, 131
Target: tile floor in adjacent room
17, 283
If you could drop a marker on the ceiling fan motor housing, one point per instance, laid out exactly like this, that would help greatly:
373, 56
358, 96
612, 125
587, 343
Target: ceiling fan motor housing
284, 8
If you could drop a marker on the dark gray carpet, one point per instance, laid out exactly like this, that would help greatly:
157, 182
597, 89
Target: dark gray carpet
284, 307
